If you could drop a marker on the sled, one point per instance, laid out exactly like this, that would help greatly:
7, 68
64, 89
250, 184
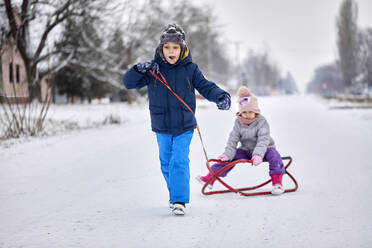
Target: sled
241, 190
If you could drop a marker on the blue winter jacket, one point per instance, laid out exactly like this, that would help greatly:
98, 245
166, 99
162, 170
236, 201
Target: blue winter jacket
168, 114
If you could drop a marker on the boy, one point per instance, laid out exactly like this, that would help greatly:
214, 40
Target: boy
172, 122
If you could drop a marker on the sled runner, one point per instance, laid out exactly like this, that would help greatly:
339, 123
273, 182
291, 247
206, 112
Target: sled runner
230, 164
215, 176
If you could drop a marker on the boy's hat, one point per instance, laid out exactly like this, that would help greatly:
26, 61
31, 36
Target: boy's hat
173, 33
247, 101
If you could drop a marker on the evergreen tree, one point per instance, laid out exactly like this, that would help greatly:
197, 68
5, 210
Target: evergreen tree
82, 42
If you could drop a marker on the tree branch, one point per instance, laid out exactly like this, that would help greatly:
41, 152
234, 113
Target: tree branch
49, 27
46, 56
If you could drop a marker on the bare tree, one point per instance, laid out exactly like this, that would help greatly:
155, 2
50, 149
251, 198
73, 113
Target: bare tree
33, 29
43, 15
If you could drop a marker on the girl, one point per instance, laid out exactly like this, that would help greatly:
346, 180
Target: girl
253, 132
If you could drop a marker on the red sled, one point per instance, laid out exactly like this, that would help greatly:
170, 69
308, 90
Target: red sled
215, 176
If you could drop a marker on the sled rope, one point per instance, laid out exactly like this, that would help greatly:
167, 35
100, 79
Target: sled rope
215, 176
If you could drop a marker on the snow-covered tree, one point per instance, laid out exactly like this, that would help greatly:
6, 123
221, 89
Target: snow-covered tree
88, 61
135, 36
261, 72
144, 22
203, 37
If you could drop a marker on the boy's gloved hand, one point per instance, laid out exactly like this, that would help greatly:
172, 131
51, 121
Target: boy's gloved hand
224, 102
223, 157
149, 65
256, 160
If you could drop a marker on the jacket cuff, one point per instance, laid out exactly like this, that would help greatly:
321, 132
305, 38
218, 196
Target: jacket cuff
259, 152
230, 154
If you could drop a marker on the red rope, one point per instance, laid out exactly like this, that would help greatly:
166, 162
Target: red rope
215, 176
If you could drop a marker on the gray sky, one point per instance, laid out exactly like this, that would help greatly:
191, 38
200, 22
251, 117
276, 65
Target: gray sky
300, 34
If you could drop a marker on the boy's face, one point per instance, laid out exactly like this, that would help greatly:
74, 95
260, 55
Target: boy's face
172, 52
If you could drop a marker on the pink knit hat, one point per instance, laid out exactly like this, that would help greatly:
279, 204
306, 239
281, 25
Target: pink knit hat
247, 101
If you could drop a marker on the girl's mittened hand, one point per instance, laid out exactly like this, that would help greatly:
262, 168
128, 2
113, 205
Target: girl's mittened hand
223, 157
256, 160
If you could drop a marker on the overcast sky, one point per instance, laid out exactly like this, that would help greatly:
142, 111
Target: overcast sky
300, 34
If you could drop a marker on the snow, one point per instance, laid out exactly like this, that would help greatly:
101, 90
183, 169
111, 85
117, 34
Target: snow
102, 187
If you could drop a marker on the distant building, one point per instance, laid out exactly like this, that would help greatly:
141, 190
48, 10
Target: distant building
13, 81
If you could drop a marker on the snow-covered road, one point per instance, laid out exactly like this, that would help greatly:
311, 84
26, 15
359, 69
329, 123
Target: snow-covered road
103, 187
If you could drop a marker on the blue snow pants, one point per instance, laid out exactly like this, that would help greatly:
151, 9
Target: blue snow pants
174, 159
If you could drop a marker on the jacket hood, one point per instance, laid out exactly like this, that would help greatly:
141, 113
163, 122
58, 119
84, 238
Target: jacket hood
187, 58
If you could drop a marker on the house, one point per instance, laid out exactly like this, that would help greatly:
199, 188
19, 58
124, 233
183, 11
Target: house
13, 81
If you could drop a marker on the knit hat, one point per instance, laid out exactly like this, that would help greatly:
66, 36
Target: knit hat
247, 101
172, 33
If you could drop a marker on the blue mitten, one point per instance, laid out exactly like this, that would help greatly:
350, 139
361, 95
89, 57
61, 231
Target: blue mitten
224, 102
149, 65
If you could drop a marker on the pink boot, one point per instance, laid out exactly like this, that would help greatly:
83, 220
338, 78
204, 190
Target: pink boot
276, 179
277, 184
204, 179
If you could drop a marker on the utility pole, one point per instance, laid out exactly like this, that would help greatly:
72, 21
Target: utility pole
237, 61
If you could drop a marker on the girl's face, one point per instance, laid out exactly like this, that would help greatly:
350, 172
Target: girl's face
248, 115
172, 52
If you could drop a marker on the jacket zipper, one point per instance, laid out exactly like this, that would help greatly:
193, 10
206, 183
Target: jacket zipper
189, 85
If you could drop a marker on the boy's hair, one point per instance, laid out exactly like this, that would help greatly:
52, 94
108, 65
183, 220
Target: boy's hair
172, 33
